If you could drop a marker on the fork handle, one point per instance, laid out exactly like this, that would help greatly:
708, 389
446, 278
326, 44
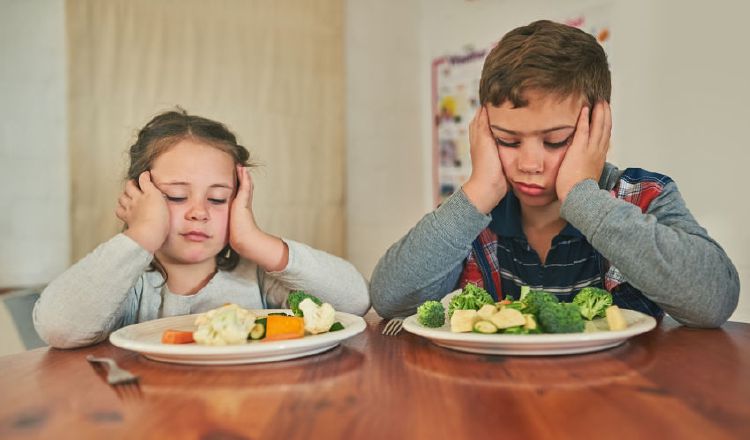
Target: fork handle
110, 363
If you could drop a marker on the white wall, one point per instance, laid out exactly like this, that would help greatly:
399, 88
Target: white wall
34, 188
680, 93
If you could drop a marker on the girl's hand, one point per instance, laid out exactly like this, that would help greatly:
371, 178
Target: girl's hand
487, 184
145, 213
269, 252
242, 224
588, 151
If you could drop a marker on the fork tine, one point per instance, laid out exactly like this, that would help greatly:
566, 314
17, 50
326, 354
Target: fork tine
393, 327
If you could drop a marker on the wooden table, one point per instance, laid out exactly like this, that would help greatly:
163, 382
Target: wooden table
672, 383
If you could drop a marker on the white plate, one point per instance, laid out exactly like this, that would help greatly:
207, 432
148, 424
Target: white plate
543, 344
145, 338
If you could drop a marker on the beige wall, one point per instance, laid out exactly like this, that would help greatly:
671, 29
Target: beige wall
272, 71
34, 175
679, 105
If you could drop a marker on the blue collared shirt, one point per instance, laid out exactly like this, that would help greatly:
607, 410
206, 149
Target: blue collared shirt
572, 263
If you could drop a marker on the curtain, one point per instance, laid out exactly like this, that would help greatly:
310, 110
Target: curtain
271, 70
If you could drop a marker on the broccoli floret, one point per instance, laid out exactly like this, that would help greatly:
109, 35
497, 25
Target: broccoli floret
535, 299
472, 297
431, 314
593, 302
556, 317
295, 297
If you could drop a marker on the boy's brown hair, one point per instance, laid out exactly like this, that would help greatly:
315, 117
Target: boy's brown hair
546, 56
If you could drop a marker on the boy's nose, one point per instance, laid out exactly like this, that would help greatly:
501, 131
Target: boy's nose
530, 159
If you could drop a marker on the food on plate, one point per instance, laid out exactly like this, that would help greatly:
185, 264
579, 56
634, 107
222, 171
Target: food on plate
296, 297
561, 318
177, 337
507, 317
472, 309
472, 297
463, 320
318, 318
615, 320
231, 324
593, 302
227, 325
431, 314
280, 327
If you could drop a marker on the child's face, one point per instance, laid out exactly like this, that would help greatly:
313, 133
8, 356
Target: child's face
532, 142
198, 181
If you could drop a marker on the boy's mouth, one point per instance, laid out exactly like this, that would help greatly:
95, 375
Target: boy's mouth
529, 188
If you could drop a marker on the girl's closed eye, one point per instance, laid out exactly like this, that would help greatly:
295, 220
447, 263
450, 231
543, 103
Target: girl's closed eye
217, 201
175, 199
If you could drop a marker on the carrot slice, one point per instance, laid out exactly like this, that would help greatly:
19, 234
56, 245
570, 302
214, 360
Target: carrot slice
177, 337
284, 327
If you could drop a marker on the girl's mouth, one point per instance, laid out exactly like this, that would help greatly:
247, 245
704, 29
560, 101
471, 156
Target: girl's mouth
196, 236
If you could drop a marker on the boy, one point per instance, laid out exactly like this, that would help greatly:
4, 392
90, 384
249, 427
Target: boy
542, 207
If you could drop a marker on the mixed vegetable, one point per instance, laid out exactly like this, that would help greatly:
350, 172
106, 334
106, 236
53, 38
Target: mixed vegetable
474, 310
231, 324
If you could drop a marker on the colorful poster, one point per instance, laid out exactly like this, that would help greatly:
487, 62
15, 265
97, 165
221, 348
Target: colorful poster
455, 99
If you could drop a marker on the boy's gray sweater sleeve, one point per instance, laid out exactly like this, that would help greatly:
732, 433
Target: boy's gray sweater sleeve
426, 263
85, 303
663, 252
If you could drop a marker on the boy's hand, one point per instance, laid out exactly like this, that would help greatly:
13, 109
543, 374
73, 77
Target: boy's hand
588, 151
487, 184
269, 252
144, 212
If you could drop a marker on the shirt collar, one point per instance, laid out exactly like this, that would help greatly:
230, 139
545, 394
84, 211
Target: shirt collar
506, 220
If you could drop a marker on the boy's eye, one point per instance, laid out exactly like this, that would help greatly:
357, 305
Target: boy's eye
176, 199
217, 201
503, 143
560, 144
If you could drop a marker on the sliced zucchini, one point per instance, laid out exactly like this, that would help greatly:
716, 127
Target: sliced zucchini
485, 327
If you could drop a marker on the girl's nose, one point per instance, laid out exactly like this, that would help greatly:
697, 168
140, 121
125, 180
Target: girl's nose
531, 159
197, 212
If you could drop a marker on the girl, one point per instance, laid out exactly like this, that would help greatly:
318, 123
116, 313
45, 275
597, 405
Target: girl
190, 244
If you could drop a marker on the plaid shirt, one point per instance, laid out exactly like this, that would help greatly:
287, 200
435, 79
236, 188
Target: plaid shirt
502, 260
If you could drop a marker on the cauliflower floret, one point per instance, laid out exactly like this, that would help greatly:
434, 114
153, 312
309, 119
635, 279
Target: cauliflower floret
227, 325
318, 318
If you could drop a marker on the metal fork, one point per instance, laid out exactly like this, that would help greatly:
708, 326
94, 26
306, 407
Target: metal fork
116, 376
393, 327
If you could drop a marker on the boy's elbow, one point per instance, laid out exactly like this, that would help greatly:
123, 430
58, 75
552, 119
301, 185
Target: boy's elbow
716, 312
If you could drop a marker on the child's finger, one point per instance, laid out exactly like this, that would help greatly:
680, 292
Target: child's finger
597, 126
245, 189
607, 127
131, 189
582, 128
